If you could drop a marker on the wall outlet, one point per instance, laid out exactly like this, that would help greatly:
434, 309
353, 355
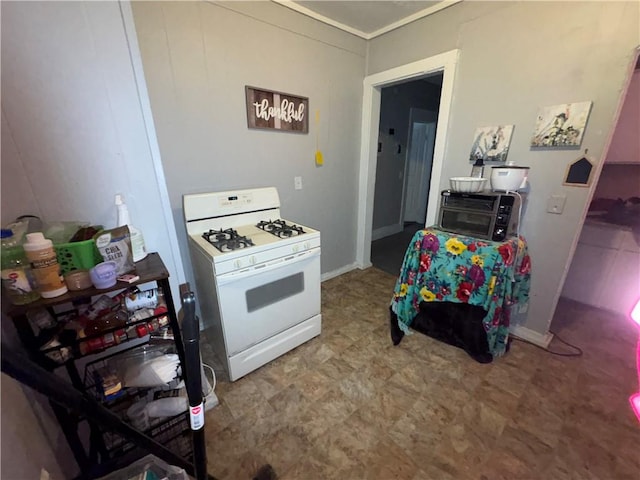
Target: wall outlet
555, 204
297, 183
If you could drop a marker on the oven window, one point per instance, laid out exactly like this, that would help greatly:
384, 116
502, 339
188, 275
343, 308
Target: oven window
465, 222
273, 292
472, 203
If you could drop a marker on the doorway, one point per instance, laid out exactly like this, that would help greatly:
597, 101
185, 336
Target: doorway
422, 139
444, 64
406, 142
608, 249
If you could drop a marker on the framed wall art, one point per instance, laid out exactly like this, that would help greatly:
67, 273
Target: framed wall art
579, 172
491, 144
561, 125
267, 109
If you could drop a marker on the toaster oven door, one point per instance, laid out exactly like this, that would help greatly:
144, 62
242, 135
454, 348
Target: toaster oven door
465, 222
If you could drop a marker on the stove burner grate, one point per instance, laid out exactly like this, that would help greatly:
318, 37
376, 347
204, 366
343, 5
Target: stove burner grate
227, 240
280, 228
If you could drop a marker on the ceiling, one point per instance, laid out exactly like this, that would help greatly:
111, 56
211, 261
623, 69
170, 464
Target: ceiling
367, 19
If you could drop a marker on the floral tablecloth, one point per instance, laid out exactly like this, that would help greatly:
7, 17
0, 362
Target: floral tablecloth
446, 267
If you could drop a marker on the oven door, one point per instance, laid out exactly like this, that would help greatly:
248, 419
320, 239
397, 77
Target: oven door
267, 299
467, 222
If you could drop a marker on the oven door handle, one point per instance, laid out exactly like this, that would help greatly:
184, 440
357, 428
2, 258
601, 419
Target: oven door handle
267, 267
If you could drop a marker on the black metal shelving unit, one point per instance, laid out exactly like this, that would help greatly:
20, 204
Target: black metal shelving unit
172, 432
110, 445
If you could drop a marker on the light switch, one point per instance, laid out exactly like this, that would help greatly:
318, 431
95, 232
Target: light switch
555, 204
297, 183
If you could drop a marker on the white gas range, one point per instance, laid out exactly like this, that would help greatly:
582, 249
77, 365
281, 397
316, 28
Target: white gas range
257, 275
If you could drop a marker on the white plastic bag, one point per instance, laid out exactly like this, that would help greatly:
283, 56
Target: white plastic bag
167, 407
152, 372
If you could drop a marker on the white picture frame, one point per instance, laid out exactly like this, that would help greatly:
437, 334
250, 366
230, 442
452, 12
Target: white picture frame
561, 125
491, 144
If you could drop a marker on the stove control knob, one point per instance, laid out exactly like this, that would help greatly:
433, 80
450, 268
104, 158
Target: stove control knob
307, 245
296, 248
237, 264
252, 260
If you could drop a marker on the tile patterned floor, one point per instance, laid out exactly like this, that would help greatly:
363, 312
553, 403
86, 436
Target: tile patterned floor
350, 405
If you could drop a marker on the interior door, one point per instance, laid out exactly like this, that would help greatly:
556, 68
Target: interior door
418, 171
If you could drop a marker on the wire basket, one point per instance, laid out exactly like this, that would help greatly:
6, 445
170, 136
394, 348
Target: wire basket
173, 432
77, 255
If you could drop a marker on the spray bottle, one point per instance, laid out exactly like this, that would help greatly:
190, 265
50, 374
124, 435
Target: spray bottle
137, 240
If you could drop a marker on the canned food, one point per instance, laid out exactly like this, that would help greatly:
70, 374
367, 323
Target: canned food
143, 299
153, 325
142, 330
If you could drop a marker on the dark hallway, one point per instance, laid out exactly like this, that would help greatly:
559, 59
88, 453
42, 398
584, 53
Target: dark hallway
387, 253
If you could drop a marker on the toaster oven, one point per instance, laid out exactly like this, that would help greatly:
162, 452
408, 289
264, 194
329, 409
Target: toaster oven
487, 215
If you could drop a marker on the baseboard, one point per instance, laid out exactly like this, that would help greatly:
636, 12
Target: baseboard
542, 340
382, 232
338, 272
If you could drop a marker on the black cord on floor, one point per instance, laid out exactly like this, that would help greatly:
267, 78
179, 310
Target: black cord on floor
578, 353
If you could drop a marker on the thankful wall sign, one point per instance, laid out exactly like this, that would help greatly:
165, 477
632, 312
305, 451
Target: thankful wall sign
276, 110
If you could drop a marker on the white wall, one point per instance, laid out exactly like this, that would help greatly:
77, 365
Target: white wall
625, 144
73, 132
73, 135
199, 56
516, 57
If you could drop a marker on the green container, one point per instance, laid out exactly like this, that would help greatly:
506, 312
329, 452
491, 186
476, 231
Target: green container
77, 255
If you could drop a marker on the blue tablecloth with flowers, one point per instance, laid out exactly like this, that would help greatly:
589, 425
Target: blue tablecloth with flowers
447, 267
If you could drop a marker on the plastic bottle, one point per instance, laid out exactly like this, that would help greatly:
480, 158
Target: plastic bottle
44, 263
477, 170
17, 277
137, 240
